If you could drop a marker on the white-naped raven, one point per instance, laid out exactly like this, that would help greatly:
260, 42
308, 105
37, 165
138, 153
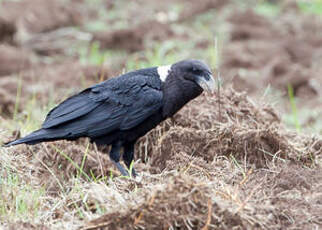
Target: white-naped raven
120, 110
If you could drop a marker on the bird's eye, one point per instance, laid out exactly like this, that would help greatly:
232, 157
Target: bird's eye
195, 70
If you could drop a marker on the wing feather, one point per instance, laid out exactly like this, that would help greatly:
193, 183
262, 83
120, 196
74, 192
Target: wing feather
72, 108
149, 103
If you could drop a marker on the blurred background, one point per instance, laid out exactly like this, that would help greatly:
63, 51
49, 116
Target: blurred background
270, 49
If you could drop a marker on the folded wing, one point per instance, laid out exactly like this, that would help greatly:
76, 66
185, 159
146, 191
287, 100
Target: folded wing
104, 108
73, 107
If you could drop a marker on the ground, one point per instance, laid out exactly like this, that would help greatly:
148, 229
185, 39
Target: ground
247, 157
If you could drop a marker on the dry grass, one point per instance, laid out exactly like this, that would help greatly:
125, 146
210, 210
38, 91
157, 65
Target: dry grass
246, 171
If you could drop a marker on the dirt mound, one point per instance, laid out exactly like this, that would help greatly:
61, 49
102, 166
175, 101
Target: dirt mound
183, 203
246, 131
282, 197
285, 197
263, 51
257, 147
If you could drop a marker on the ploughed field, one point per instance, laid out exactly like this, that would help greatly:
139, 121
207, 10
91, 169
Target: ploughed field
247, 157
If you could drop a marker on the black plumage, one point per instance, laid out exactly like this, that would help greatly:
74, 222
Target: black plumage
120, 110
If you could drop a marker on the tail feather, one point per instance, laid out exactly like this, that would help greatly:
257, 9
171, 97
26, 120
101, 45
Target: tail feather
34, 138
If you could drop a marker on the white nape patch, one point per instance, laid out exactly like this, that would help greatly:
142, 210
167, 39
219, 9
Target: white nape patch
163, 72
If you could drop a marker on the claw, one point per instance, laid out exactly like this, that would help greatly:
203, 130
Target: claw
123, 171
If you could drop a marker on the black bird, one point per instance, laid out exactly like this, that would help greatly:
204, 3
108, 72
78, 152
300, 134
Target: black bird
122, 109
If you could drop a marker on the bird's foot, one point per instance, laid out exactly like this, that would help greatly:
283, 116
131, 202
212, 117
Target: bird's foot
123, 171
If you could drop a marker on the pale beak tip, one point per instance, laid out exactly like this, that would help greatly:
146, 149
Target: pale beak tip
208, 84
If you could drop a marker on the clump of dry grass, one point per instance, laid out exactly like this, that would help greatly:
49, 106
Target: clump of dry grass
183, 202
247, 132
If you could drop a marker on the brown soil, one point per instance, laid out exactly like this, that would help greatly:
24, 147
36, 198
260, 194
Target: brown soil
189, 181
261, 130
184, 202
273, 192
190, 178
13, 60
133, 39
193, 8
26, 226
261, 200
7, 31
276, 51
96, 163
21, 19
44, 79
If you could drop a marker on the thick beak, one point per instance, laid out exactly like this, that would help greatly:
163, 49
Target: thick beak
207, 84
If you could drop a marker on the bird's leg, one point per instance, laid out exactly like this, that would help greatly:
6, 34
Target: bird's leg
115, 157
128, 156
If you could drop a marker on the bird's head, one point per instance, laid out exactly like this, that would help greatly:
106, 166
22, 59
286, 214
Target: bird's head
190, 70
